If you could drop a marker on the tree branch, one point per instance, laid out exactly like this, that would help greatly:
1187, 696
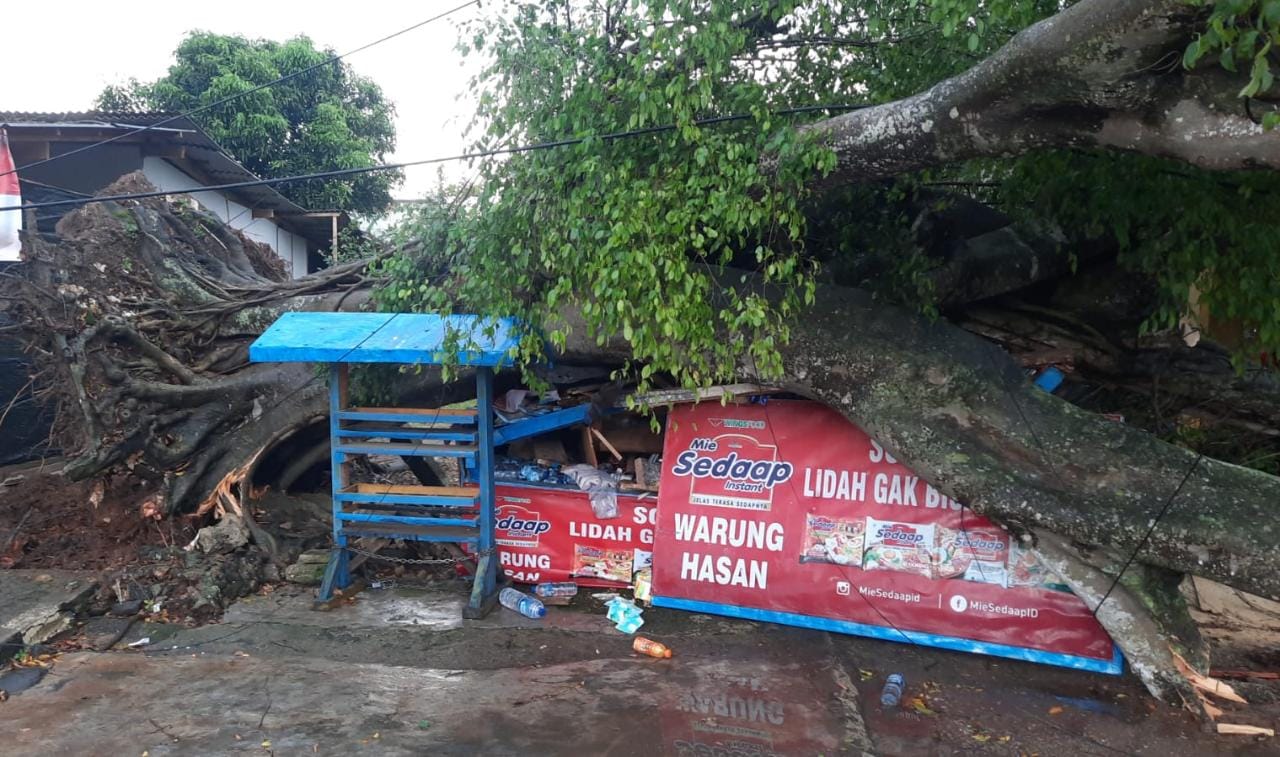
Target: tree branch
1102, 73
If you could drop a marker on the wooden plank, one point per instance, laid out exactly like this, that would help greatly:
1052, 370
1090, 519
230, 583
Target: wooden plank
589, 447
404, 338
429, 339
1261, 675
366, 545
606, 444
681, 396
417, 533
1238, 729
402, 448
438, 491
426, 411
315, 337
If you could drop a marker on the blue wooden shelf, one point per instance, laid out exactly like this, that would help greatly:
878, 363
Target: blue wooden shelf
404, 512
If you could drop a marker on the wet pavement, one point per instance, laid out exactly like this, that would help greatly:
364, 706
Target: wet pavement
398, 672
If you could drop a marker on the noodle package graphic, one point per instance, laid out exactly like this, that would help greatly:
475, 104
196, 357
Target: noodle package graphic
960, 548
834, 540
608, 564
905, 547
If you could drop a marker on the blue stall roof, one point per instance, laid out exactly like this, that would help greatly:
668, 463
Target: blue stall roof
410, 338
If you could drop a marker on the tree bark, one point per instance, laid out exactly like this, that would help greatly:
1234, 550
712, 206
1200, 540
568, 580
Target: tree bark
961, 414
1101, 73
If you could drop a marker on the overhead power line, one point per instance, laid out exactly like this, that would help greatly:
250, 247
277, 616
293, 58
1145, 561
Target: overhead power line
339, 173
247, 92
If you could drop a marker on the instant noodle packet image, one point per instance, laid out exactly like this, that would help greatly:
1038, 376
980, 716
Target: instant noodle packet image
985, 572
608, 564
1026, 570
958, 548
833, 540
904, 547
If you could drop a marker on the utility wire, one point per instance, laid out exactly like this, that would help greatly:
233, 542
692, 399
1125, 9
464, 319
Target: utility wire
229, 98
610, 137
1164, 509
1150, 530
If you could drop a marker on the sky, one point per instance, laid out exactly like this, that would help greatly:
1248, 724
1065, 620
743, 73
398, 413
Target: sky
100, 43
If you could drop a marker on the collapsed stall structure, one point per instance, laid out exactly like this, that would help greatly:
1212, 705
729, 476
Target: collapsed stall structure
750, 505
414, 513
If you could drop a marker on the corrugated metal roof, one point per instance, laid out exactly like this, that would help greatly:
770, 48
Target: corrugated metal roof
214, 162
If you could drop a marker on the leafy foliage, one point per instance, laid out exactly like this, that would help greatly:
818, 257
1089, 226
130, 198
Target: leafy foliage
1221, 235
1241, 33
326, 119
634, 233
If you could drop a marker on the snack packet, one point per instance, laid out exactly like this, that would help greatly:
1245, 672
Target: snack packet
608, 564
904, 547
833, 540
1025, 569
959, 547
985, 572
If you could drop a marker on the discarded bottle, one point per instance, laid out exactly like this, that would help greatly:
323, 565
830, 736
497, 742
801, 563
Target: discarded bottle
556, 589
892, 693
522, 603
650, 647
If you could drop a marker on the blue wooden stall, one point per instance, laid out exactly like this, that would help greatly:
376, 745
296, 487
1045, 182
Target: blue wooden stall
418, 513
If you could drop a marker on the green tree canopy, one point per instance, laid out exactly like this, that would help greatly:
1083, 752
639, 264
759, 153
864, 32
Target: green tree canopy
634, 230
326, 119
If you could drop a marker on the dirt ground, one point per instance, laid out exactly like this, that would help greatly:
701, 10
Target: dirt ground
45, 519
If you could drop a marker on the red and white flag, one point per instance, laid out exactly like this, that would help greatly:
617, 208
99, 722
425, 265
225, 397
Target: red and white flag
10, 197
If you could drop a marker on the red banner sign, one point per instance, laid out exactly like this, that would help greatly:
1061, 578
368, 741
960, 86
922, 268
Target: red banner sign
546, 534
786, 512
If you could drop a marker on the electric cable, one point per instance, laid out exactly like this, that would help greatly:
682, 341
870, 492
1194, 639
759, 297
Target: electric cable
229, 98
534, 147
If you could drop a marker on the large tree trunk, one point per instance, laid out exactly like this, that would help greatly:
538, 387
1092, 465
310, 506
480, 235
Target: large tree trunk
141, 315
149, 361
964, 416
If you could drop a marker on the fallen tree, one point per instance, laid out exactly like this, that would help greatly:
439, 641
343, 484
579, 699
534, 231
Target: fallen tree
144, 350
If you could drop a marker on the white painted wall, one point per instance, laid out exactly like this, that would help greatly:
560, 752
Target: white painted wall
291, 247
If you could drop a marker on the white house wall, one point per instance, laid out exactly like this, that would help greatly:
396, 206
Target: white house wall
291, 247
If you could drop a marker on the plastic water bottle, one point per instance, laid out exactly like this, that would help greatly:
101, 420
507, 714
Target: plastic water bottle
892, 693
556, 589
522, 603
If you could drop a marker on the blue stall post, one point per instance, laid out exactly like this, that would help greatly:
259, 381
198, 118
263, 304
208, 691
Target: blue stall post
484, 590
336, 574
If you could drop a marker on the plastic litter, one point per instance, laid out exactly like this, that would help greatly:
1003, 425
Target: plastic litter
144, 641
643, 585
625, 615
522, 603
651, 648
601, 488
892, 693
1049, 379
556, 589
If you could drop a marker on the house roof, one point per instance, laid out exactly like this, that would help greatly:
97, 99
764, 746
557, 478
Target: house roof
203, 158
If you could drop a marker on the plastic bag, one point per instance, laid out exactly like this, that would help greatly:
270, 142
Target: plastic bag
601, 487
